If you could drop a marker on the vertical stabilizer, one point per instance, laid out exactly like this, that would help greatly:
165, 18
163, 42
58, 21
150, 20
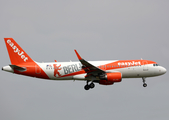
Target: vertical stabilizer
16, 53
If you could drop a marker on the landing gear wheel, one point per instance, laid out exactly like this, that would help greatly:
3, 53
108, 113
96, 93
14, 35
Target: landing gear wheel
144, 85
92, 85
144, 80
86, 87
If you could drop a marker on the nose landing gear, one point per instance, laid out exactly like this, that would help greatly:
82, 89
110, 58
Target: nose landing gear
144, 85
144, 82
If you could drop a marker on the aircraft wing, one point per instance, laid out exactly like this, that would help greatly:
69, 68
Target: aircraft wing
88, 67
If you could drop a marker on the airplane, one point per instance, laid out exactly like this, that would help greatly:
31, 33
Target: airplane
103, 72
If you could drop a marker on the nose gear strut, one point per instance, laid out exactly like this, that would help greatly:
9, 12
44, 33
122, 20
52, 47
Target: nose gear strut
144, 82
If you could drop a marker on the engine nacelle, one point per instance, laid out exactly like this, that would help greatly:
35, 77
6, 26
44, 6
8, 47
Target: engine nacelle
110, 78
105, 82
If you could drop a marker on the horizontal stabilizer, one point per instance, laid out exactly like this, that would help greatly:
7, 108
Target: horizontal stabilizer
14, 67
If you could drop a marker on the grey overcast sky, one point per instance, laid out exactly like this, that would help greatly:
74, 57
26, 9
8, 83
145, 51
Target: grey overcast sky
99, 30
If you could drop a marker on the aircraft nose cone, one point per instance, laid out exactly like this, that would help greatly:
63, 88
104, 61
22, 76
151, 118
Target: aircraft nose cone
164, 70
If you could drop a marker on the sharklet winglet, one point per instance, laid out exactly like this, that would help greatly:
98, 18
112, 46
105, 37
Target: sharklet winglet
79, 57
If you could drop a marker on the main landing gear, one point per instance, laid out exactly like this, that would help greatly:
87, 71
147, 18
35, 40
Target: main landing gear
144, 82
88, 86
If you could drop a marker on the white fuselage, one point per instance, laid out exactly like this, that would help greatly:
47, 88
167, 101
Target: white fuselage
131, 71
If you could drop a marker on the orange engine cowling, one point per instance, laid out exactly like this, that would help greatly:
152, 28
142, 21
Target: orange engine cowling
110, 78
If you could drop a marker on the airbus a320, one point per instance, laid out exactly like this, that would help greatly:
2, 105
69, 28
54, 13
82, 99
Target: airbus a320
102, 72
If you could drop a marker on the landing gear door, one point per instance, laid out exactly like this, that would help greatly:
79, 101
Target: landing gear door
145, 66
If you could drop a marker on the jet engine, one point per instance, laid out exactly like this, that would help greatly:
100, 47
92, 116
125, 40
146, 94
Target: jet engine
110, 78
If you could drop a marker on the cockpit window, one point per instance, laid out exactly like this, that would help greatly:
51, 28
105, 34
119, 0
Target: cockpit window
155, 64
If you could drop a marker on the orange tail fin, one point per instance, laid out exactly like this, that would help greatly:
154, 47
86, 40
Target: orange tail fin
16, 53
